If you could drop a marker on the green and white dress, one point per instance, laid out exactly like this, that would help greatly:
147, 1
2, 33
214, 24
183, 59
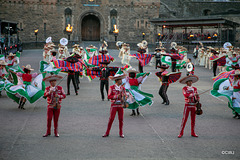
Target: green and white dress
31, 90
136, 97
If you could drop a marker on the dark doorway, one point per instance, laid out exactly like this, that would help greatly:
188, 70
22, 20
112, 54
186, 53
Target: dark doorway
90, 28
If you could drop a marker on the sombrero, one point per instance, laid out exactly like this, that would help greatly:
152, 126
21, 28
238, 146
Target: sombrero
3, 63
214, 51
75, 45
132, 70
28, 67
105, 62
158, 49
173, 50
103, 51
237, 73
192, 78
117, 76
11, 54
53, 78
163, 66
53, 52
235, 66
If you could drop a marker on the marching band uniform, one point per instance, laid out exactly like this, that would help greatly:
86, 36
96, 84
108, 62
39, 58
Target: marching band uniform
76, 49
125, 57
63, 52
103, 49
51, 92
47, 53
163, 89
116, 92
201, 57
191, 97
195, 54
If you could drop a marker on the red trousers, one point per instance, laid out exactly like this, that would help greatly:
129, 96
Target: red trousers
113, 111
52, 113
186, 111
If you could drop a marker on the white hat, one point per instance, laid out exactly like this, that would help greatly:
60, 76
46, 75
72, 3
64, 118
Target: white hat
28, 66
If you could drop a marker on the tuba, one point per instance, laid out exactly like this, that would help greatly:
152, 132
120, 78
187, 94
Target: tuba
189, 67
49, 40
63, 41
144, 43
119, 44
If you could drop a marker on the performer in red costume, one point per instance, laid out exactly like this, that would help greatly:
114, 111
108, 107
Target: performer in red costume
116, 93
191, 97
54, 95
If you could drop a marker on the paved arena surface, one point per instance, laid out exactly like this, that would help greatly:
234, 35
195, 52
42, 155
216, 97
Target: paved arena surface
152, 135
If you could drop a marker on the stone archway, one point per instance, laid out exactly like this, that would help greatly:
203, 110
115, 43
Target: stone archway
91, 26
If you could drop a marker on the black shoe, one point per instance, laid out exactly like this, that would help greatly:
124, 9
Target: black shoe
236, 115
138, 113
167, 103
77, 88
163, 102
122, 136
68, 93
133, 114
102, 99
76, 93
105, 135
46, 135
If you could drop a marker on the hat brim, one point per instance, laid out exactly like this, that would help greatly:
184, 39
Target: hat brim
104, 62
103, 52
132, 71
3, 64
30, 69
163, 67
192, 78
53, 78
158, 49
235, 67
118, 77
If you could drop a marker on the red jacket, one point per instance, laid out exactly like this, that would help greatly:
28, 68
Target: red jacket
113, 93
50, 97
190, 95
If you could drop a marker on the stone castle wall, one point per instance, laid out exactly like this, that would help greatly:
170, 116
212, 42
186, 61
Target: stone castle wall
132, 18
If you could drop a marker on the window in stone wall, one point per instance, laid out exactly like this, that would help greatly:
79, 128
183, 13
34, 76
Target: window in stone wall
206, 12
146, 24
68, 17
113, 19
